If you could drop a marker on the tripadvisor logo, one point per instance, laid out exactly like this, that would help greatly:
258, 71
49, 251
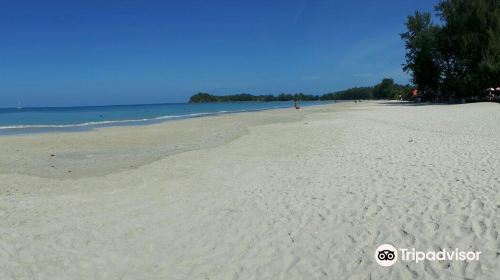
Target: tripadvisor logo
387, 255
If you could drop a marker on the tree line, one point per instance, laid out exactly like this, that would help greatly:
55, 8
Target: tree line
203, 97
459, 58
386, 89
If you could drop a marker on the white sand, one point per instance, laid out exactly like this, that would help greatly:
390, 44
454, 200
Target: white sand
283, 194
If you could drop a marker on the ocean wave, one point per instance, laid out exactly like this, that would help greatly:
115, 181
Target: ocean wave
98, 123
129, 121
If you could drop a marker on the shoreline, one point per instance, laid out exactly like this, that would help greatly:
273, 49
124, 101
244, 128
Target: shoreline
8, 130
104, 150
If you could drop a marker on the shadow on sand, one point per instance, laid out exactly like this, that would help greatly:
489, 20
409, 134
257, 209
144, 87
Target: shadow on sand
409, 103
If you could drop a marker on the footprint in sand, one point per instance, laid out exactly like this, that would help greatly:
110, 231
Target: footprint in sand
373, 210
493, 234
477, 205
431, 226
462, 226
408, 235
479, 228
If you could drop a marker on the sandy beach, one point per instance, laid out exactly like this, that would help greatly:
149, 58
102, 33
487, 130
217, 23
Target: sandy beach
277, 194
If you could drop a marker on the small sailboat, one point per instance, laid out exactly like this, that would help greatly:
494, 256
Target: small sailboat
19, 107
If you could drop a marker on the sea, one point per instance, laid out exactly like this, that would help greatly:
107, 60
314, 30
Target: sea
47, 119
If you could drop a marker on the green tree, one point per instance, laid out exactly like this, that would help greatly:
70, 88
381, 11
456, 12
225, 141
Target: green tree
470, 45
422, 57
403, 91
385, 90
461, 57
202, 97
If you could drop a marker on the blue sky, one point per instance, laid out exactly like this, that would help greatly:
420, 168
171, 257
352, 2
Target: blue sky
94, 52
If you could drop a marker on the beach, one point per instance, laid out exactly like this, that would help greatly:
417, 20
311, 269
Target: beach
276, 194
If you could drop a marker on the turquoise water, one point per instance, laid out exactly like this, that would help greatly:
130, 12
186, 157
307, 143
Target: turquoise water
25, 120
